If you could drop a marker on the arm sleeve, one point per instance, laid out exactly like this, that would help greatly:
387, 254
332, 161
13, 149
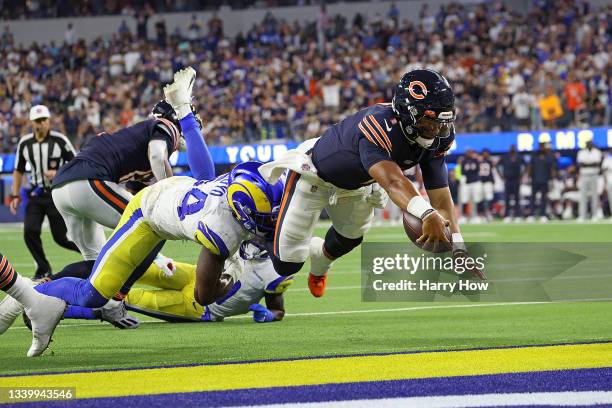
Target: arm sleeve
435, 173
158, 154
370, 153
198, 156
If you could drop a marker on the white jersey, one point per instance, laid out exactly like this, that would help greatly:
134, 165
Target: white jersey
183, 208
254, 276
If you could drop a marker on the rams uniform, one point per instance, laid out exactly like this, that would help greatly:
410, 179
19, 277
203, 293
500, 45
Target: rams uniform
253, 275
177, 208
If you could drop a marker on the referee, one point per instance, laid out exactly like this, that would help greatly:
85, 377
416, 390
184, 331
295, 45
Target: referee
45, 151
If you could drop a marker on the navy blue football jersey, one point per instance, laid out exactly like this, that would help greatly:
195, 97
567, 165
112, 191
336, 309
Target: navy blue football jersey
485, 171
120, 156
470, 168
346, 151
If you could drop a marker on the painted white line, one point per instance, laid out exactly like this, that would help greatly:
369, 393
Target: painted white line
361, 311
570, 398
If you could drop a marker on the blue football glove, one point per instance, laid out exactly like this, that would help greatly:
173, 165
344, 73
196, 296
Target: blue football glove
261, 314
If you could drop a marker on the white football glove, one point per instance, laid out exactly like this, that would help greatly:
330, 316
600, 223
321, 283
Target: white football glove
165, 264
378, 197
178, 93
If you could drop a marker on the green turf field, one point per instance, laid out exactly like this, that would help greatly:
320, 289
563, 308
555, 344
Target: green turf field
339, 323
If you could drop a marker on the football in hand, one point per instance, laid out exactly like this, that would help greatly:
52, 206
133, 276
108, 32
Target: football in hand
414, 229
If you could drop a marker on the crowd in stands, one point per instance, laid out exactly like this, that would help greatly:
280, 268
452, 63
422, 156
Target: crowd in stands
19, 9
549, 68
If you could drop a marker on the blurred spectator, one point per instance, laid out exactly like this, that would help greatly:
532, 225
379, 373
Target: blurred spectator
589, 165
512, 169
71, 124
470, 189
485, 171
70, 35
309, 86
550, 107
575, 95
542, 169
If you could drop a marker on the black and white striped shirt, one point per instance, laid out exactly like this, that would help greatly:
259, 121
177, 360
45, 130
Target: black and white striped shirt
49, 154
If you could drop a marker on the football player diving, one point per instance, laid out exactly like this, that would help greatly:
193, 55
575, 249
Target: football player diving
373, 145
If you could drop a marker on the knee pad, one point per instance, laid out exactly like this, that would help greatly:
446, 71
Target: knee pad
336, 245
285, 268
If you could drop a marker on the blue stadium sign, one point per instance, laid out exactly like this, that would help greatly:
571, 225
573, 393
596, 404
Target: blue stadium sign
497, 142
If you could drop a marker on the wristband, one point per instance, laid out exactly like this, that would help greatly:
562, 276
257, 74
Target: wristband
418, 207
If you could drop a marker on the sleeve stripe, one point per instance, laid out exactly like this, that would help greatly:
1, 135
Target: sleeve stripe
175, 134
366, 134
382, 132
217, 245
7, 273
373, 132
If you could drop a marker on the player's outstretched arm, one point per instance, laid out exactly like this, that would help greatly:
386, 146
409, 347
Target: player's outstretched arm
198, 156
209, 287
403, 193
178, 94
441, 200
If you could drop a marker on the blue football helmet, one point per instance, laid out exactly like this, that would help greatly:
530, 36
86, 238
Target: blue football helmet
254, 202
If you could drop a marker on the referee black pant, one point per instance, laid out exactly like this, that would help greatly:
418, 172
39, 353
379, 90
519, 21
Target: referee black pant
35, 212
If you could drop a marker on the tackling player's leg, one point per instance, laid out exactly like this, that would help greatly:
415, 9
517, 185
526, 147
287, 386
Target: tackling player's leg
45, 312
124, 258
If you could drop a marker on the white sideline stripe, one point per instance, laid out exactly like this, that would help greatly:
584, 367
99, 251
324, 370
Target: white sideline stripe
570, 398
360, 311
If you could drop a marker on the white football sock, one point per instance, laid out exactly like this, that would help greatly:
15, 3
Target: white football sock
23, 291
319, 263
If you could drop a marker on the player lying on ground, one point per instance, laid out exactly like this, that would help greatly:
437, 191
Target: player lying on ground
43, 311
90, 192
249, 273
218, 214
373, 145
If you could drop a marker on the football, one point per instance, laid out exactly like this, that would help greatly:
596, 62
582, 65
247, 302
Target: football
414, 229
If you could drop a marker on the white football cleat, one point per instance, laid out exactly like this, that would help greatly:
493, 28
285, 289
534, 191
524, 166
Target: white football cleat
116, 314
45, 315
9, 310
178, 93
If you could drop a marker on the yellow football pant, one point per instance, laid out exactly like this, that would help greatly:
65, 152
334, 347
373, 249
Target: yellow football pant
128, 252
173, 299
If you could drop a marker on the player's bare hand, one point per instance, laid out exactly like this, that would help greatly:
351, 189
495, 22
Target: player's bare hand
434, 230
14, 204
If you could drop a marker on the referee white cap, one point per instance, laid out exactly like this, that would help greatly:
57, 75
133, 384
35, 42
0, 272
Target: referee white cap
39, 111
